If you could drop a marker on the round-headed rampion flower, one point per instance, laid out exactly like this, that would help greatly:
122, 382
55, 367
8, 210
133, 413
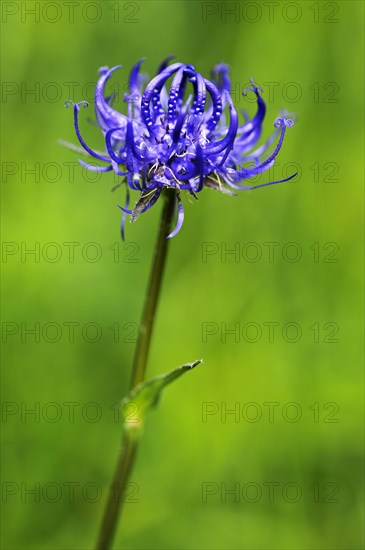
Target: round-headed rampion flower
181, 132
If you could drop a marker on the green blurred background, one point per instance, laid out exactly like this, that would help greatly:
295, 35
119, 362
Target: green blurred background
310, 57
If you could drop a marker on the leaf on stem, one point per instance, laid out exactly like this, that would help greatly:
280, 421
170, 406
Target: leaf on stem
146, 395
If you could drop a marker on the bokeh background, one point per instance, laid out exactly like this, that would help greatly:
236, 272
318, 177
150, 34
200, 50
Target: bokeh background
297, 470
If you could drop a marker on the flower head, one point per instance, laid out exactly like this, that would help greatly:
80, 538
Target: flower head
181, 132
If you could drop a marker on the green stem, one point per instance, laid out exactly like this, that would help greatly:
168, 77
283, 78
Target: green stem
130, 442
153, 291
116, 493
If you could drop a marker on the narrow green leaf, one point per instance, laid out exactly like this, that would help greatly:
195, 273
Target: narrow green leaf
146, 395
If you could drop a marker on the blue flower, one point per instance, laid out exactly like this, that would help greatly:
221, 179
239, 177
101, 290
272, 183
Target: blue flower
181, 132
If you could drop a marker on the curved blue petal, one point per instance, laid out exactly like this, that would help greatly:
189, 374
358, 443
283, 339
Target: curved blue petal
227, 141
249, 188
105, 114
180, 219
220, 75
124, 215
94, 168
76, 107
